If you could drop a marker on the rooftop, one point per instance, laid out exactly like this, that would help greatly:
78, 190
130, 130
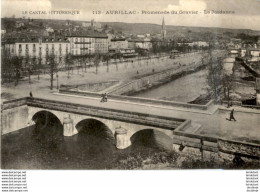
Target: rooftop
118, 39
31, 38
88, 33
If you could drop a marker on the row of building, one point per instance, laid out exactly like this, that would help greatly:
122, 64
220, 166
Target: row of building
74, 44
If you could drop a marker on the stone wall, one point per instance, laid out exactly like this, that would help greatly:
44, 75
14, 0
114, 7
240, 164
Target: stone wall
13, 118
139, 99
205, 148
229, 149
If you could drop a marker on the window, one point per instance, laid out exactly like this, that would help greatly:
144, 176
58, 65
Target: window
26, 46
20, 46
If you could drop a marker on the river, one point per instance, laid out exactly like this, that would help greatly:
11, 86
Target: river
183, 89
45, 147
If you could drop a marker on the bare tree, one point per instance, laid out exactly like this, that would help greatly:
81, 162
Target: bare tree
16, 64
97, 59
28, 66
227, 83
39, 66
107, 59
6, 71
68, 62
214, 69
52, 67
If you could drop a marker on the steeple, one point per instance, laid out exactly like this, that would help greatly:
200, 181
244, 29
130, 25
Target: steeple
163, 29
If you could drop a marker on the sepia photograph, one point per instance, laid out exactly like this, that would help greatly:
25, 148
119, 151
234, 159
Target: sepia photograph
130, 85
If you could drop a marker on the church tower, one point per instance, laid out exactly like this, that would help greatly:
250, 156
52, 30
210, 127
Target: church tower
163, 29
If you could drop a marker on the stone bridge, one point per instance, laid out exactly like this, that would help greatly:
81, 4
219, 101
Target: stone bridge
19, 113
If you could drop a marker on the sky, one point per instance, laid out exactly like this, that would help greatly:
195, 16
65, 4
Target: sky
246, 12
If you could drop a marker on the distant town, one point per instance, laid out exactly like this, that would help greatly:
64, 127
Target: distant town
39, 38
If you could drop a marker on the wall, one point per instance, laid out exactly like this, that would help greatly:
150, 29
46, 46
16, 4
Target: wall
13, 118
66, 90
258, 99
205, 148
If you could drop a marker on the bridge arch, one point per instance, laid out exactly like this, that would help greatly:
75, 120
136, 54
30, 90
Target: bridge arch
45, 114
95, 127
47, 126
151, 138
33, 111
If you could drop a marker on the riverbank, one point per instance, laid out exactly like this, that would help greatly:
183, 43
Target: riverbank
122, 72
163, 81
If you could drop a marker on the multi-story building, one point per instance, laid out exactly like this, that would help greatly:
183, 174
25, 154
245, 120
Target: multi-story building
88, 43
101, 44
76, 44
140, 43
118, 43
35, 47
82, 45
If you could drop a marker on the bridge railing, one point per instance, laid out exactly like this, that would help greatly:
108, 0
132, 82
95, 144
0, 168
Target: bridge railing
216, 144
14, 103
64, 90
245, 149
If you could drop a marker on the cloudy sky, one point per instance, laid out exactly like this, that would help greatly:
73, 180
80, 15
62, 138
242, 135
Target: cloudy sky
246, 16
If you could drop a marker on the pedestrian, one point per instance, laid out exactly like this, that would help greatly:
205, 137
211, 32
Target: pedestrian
232, 116
105, 97
102, 98
31, 95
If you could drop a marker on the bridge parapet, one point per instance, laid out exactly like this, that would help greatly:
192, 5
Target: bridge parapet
14, 103
65, 90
